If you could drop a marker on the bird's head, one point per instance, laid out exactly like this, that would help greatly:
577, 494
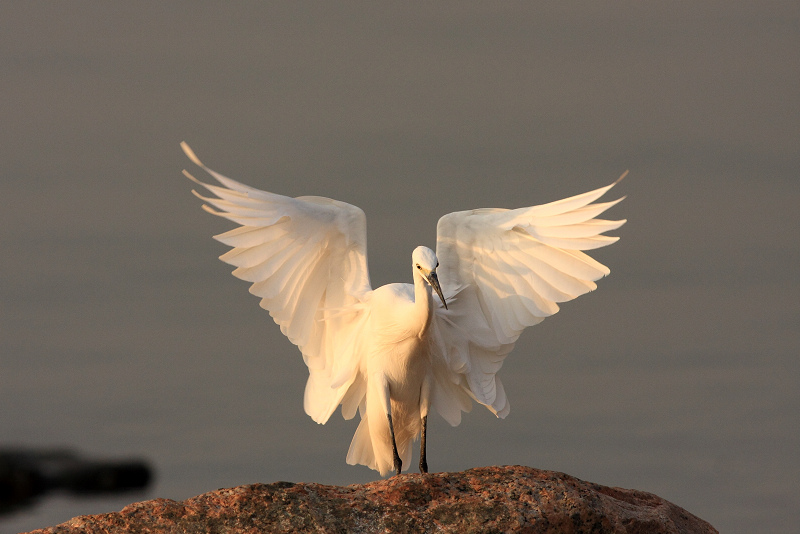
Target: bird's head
425, 263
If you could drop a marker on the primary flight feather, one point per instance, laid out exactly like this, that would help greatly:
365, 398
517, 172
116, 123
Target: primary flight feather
393, 353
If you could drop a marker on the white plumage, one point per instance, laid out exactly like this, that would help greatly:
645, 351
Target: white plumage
396, 351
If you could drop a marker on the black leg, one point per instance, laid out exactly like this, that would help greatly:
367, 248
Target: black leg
423, 459
398, 463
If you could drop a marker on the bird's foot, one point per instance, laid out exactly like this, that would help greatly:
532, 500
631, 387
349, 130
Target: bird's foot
423, 466
398, 465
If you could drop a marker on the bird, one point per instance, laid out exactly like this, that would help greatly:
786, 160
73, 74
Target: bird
395, 353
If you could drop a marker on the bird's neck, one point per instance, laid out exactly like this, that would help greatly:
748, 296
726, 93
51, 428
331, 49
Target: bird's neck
423, 304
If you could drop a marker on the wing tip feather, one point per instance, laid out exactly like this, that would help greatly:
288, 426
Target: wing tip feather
190, 154
211, 210
192, 178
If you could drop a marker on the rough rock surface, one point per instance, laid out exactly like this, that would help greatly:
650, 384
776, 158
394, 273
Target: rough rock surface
487, 499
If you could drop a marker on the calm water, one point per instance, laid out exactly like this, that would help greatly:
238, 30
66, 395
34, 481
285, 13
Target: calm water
122, 335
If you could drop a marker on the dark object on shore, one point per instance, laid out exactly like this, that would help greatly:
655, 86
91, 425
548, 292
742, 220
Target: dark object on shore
27, 474
486, 499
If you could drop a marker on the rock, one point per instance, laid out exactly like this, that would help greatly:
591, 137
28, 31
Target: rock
27, 474
486, 499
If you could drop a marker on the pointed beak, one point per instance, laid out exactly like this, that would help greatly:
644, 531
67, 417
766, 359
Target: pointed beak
433, 280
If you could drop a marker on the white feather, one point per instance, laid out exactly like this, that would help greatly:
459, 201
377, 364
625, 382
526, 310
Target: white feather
397, 349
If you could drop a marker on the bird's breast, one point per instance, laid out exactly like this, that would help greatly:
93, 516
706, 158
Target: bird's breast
397, 335
394, 315
403, 363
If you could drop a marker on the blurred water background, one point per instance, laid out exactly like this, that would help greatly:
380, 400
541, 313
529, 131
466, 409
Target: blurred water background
122, 335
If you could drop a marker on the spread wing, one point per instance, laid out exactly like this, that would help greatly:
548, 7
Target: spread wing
502, 271
306, 258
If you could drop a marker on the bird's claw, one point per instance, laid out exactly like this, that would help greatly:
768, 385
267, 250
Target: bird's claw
398, 466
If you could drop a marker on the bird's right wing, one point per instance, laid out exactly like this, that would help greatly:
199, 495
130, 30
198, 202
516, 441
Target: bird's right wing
502, 271
307, 259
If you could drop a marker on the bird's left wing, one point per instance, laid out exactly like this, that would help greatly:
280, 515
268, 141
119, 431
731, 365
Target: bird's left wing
307, 259
502, 271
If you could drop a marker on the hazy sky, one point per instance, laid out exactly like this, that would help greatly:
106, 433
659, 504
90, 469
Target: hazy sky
121, 334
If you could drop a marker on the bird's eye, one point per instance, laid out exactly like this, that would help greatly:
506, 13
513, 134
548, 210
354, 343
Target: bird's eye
418, 267
437, 264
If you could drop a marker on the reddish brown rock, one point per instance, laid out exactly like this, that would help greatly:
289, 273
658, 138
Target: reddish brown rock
487, 499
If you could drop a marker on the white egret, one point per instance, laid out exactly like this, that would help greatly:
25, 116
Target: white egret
395, 352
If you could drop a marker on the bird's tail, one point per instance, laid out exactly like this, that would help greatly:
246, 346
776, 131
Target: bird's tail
361, 449
372, 444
